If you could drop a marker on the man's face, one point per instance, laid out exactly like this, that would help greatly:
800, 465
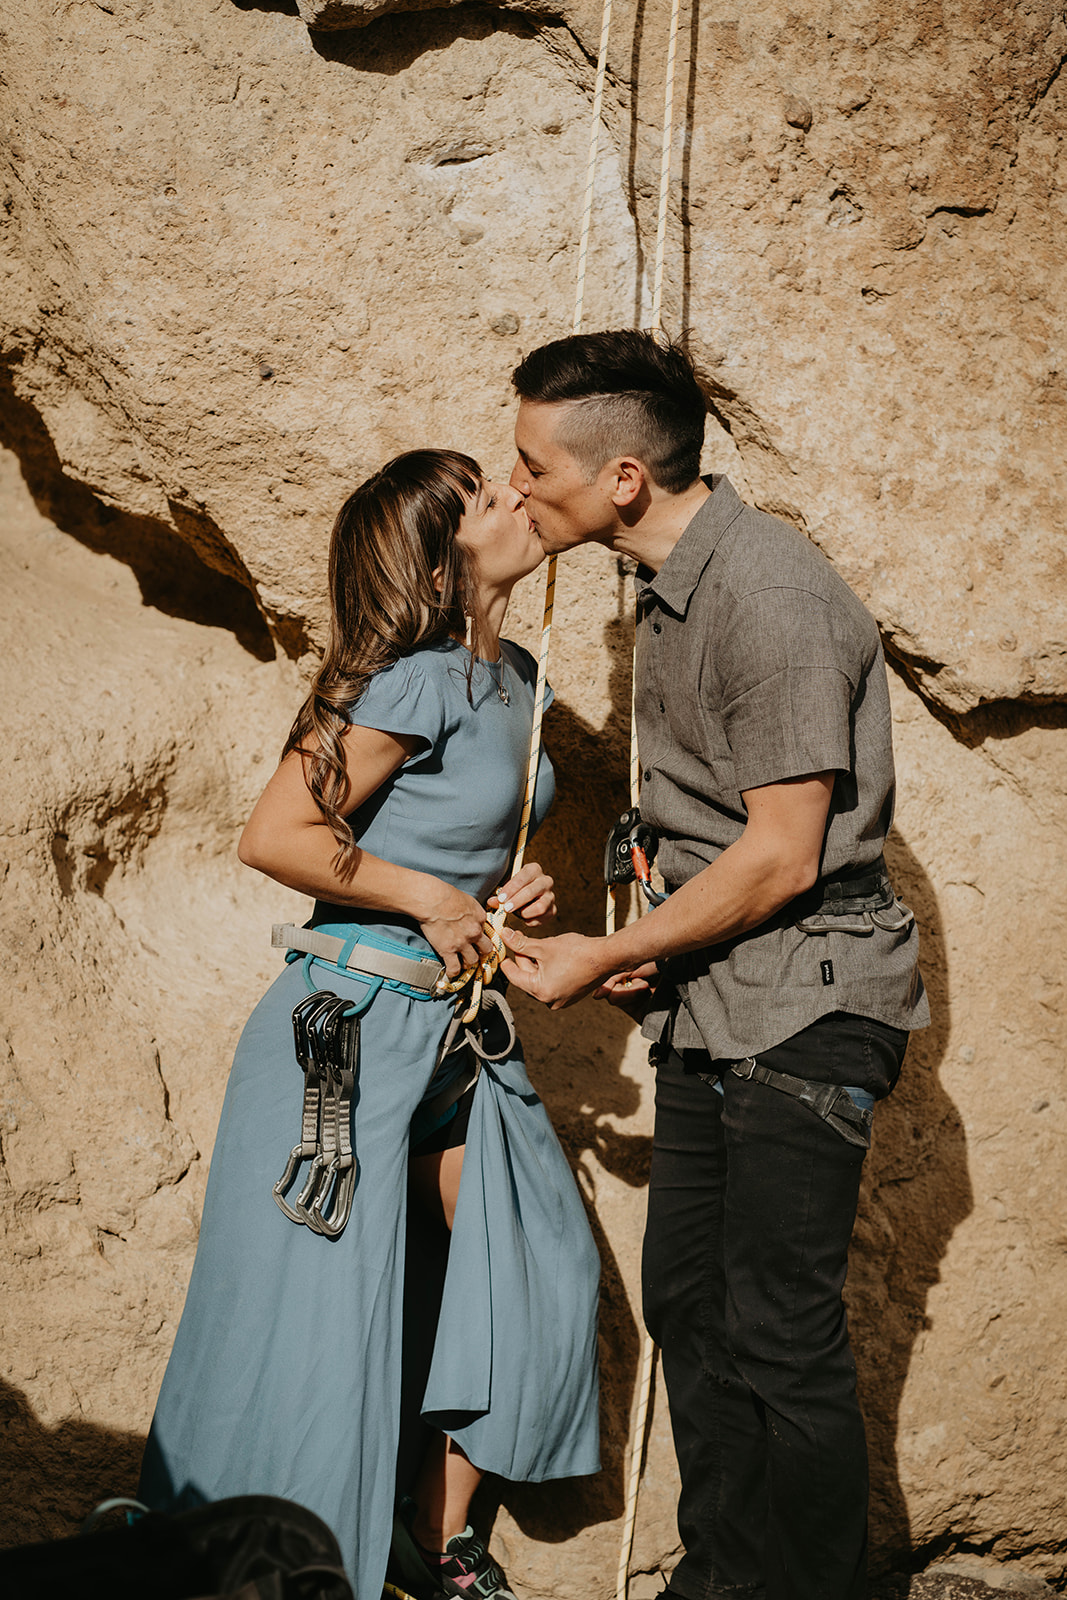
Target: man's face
563, 506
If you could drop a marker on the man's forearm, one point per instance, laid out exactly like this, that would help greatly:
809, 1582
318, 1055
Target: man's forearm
775, 859
744, 886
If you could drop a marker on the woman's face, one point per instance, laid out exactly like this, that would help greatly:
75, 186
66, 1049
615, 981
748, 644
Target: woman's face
497, 534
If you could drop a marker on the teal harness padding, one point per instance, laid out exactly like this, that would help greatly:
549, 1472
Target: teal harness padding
374, 982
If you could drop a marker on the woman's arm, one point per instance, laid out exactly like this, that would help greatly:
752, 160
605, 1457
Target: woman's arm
288, 839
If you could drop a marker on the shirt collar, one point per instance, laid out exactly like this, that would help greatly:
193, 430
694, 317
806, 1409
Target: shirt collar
679, 575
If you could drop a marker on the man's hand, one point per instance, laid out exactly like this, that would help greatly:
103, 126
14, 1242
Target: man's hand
556, 971
630, 991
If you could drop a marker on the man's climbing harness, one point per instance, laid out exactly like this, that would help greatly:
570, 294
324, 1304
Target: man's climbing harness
829, 1101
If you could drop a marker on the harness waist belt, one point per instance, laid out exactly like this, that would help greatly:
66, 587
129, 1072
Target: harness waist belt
872, 882
418, 972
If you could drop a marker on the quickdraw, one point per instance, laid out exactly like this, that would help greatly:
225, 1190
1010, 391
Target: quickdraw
326, 1038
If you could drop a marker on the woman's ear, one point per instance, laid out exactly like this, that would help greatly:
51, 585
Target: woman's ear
439, 579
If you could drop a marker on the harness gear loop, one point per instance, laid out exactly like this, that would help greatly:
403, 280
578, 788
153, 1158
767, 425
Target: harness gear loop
829, 1101
339, 1169
321, 1025
308, 1148
460, 1037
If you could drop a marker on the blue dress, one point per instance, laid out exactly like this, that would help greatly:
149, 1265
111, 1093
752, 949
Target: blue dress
285, 1376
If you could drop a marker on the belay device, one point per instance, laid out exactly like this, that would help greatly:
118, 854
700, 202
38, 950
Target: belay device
629, 854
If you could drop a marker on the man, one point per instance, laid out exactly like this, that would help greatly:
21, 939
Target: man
787, 968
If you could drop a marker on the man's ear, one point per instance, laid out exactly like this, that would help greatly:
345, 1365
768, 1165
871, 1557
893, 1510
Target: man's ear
628, 478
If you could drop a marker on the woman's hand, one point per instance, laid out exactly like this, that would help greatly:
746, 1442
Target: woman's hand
529, 894
454, 924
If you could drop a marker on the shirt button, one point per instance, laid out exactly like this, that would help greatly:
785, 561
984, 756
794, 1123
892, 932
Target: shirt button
656, 628
662, 706
647, 774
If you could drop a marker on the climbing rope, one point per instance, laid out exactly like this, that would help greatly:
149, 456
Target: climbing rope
655, 321
483, 972
648, 1347
590, 168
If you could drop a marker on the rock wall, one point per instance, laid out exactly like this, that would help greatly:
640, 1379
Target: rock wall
245, 259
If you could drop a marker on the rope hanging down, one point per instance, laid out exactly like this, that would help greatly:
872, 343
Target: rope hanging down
648, 1345
478, 976
483, 973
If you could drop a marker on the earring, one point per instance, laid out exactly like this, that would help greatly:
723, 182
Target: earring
469, 639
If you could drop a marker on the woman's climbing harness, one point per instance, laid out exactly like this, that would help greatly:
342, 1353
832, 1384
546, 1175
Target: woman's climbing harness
326, 1031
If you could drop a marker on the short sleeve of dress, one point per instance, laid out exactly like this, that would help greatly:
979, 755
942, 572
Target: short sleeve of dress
403, 699
788, 675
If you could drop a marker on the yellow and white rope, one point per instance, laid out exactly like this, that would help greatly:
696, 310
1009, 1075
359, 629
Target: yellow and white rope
665, 172
539, 711
648, 1347
484, 971
590, 169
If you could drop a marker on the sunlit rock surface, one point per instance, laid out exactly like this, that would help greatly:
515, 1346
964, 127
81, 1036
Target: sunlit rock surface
246, 257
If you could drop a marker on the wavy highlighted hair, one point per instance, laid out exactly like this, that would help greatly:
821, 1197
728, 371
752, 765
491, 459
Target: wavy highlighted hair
391, 536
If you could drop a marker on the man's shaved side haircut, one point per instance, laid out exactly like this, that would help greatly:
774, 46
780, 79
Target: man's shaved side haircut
627, 394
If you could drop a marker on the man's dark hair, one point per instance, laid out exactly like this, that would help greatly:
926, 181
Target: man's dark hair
627, 393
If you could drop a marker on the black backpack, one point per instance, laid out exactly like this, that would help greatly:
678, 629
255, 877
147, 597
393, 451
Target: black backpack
253, 1547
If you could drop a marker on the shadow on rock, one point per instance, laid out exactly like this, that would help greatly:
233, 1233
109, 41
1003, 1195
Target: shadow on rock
916, 1192
196, 576
51, 1478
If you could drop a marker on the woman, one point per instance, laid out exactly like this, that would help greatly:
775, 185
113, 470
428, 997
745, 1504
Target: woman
396, 805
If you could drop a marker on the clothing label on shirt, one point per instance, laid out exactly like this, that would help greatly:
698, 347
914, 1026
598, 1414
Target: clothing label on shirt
827, 970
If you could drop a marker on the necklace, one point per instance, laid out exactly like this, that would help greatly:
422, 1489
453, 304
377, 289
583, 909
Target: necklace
501, 686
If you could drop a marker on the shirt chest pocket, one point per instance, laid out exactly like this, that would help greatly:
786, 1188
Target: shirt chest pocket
695, 730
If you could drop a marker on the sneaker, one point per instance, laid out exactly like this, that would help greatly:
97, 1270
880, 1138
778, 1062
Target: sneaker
466, 1569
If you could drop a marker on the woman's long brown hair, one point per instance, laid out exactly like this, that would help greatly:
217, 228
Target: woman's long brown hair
390, 537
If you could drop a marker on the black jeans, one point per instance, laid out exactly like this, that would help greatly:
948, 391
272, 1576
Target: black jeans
751, 1205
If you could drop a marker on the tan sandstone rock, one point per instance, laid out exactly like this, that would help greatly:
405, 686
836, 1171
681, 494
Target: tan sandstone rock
243, 262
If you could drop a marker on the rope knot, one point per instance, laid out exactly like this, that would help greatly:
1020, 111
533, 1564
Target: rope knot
480, 974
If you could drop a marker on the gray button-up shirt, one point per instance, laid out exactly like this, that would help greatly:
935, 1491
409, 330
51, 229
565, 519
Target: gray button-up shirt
755, 663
